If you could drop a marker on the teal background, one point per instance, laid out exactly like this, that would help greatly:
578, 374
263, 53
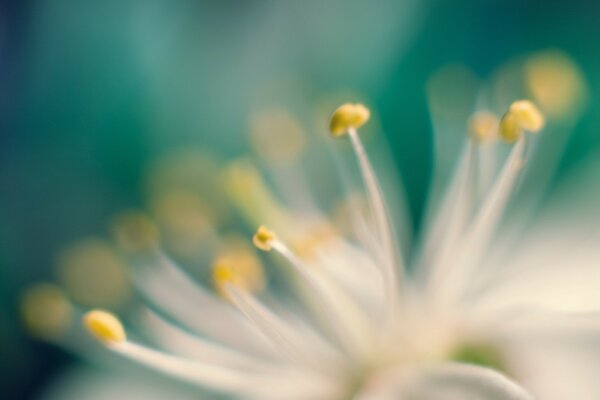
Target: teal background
91, 91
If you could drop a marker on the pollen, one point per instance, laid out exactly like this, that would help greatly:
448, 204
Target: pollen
318, 235
240, 259
225, 273
556, 83
45, 311
348, 116
93, 274
104, 326
510, 130
522, 116
263, 238
483, 126
528, 115
134, 232
276, 136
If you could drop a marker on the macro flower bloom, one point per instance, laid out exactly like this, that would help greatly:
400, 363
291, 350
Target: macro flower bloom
474, 313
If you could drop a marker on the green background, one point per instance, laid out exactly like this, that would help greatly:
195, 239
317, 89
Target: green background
91, 91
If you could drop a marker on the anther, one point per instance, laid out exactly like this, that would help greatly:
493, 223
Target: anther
45, 310
104, 326
522, 116
529, 116
134, 232
263, 238
348, 116
483, 126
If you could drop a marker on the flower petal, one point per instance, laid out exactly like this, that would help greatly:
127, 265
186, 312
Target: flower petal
448, 381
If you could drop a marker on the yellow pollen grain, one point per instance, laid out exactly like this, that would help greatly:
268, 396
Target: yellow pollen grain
315, 238
556, 83
224, 273
93, 274
104, 326
522, 116
263, 237
483, 126
45, 310
134, 232
348, 116
509, 130
238, 253
528, 115
276, 136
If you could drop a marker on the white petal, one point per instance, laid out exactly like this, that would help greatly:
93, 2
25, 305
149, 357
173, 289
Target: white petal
448, 381
558, 368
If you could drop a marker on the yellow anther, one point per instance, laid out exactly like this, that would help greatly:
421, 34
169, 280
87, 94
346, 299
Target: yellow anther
251, 194
510, 130
45, 310
93, 274
239, 253
104, 326
237, 265
528, 115
224, 273
318, 235
184, 220
483, 126
262, 238
193, 172
134, 232
348, 116
556, 83
522, 116
276, 136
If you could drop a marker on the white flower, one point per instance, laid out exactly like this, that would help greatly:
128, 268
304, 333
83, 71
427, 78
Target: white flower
476, 313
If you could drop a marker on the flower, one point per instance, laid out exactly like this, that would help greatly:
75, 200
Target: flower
473, 314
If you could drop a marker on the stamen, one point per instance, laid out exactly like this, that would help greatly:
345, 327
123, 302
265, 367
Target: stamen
232, 286
93, 274
45, 311
556, 83
274, 328
342, 318
179, 341
528, 115
348, 118
252, 195
185, 220
485, 221
483, 126
450, 222
241, 271
256, 385
169, 288
522, 116
135, 233
263, 238
276, 136
104, 326
197, 372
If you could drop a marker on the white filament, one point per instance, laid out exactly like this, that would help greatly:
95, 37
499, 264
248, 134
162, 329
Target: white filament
268, 386
282, 335
392, 261
175, 340
340, 314
449, 223
480, 231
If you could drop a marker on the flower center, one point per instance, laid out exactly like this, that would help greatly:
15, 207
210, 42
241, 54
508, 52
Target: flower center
481, 354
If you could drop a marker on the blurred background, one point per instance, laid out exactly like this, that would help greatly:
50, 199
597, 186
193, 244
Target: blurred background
93, 92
